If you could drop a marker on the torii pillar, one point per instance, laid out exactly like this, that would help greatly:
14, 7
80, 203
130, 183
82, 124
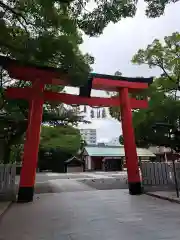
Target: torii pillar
134, 180
31, 145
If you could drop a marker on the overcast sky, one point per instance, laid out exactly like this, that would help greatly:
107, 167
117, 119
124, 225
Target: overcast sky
114, 49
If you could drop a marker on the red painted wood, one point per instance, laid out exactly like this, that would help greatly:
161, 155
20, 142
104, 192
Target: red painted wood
31, 145
55, 78
31, 74
27, 93
93, 101
129, 140
114, 85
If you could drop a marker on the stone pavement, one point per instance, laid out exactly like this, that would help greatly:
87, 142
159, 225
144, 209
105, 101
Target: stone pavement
85, 181
92, 215
46, 176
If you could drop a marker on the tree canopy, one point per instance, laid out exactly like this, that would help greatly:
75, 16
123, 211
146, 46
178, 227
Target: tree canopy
159, 123
49, 32
90, 16
43, 32
66, 138
164, 104
165, 56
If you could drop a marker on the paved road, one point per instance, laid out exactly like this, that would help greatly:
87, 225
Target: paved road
92, 215
58, 182
47, 176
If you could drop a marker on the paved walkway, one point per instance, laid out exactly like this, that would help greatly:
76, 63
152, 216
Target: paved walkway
3, 207
85, 181
47, 176
92, 215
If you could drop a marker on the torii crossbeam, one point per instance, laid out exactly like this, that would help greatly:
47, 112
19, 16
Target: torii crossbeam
36, 95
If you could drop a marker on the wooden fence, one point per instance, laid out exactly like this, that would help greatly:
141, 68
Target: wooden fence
159, 173
7, 182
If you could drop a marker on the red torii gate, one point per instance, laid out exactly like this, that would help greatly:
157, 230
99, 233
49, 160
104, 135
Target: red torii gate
36, 95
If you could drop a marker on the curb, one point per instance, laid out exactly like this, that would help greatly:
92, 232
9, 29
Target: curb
5, 209
164, 198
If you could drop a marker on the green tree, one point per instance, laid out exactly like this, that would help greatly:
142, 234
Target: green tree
44, 34
66, 138
166, 56
93, 22
161, 110
43, 14
164, 103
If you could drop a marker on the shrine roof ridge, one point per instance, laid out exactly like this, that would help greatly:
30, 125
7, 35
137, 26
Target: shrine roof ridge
6, 61
148, 80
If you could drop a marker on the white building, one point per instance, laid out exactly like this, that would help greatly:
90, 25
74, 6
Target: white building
89, 135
